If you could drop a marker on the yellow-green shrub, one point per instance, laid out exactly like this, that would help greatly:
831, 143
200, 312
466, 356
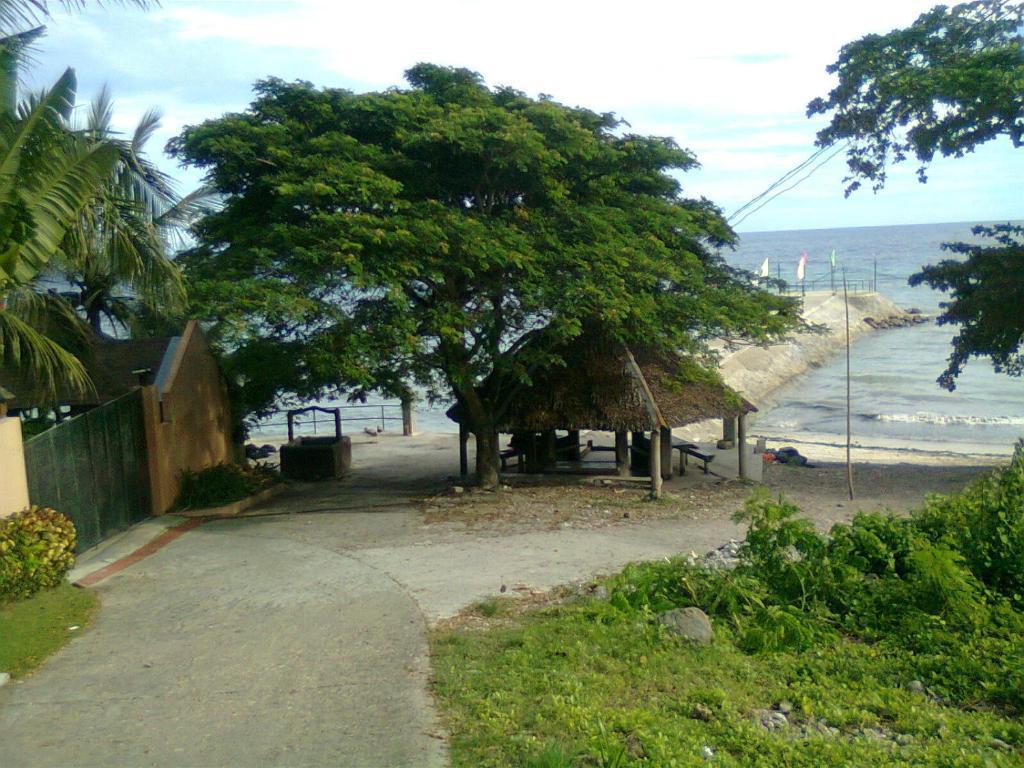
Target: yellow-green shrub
37, 547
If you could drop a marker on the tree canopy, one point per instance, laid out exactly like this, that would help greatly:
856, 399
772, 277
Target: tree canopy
948, 83
448, 235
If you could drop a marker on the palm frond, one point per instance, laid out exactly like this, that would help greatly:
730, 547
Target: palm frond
46, 361
70, 181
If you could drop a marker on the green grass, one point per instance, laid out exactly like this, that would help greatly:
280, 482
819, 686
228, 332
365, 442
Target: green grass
585, 684
33, 629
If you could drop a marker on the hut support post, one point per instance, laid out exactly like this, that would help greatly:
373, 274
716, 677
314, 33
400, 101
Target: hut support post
655, 463
463, 451
636, 454
741, 446
666, 453
574, 445
550, 446
622, 453
729, 430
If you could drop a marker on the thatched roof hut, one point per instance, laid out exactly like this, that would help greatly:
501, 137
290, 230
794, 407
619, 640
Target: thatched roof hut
604, 385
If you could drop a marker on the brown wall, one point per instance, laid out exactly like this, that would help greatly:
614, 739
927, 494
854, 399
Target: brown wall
188, 421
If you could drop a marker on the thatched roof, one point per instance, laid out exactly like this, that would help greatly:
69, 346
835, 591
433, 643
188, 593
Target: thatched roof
109, 363
606, 386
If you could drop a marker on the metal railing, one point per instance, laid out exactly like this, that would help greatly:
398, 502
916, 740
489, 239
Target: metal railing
378, 414
864, 285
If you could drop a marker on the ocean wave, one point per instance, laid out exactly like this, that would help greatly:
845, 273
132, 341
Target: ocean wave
925, 417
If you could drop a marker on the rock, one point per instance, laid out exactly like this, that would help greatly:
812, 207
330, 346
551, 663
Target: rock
771, 720
904, 739
504, 589
688, 623
702, 711
999, 744
915, 686
874, 733
601, 593
5, 678
784, 707
625, 515
506, 487
458, 489
707, 753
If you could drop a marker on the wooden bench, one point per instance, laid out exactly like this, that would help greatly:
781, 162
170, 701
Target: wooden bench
690, 449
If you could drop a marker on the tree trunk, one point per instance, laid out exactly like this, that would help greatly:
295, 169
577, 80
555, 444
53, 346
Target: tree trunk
487, 463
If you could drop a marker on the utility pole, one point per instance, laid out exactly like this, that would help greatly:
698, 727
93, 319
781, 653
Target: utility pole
849, 465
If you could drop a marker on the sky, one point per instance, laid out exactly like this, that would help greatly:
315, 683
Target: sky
728, 80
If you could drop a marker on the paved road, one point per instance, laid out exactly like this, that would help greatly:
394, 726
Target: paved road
222, 650
296, 638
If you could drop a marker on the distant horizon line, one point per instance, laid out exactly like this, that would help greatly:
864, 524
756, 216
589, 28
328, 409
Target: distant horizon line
972, 223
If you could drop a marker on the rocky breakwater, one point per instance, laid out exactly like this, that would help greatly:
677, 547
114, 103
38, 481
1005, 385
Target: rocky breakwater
757, 372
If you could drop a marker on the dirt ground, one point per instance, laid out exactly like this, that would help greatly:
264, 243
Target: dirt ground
820, 492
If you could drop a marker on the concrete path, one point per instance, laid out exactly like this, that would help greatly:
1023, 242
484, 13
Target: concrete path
296, 636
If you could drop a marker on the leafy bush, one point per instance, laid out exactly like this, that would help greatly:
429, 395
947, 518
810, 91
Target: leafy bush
37, 548
985, 524
222, 484
930, 585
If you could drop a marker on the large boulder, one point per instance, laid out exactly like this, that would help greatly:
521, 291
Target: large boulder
688, 623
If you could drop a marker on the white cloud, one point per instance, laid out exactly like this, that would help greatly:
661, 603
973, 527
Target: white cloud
729, 80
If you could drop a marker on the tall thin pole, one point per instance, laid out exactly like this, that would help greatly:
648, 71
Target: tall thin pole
778, 274
874, 281
849, 465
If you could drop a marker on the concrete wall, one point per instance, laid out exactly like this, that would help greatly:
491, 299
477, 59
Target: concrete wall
13, 483
188, 418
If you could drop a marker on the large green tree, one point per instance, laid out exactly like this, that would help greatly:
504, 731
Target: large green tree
448, 235
948, 83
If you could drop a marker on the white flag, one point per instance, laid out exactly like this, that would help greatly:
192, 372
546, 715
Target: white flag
764, 267
801, 268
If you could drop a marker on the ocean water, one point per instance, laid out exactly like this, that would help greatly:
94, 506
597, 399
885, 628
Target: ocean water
896, 402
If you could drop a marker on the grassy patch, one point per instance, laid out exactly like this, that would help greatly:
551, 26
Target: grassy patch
893, 641
585, 684
33, 629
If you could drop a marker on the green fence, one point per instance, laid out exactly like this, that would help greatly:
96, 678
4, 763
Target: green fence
93, 469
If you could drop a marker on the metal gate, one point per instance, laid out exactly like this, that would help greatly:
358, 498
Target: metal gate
92, 468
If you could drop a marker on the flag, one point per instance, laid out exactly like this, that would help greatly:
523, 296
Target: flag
832, 258
801, 268
764, 268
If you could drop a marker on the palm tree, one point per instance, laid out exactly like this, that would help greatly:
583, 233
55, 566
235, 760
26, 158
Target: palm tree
116, 255
47, 176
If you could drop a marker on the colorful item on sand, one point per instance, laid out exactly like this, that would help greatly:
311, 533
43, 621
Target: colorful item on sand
801, 268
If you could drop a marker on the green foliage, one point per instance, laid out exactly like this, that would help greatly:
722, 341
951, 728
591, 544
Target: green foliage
985, 300
37, 547
448, 234
47, 176
221, 484
117, 255
836, 625
985, 525
946, 84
